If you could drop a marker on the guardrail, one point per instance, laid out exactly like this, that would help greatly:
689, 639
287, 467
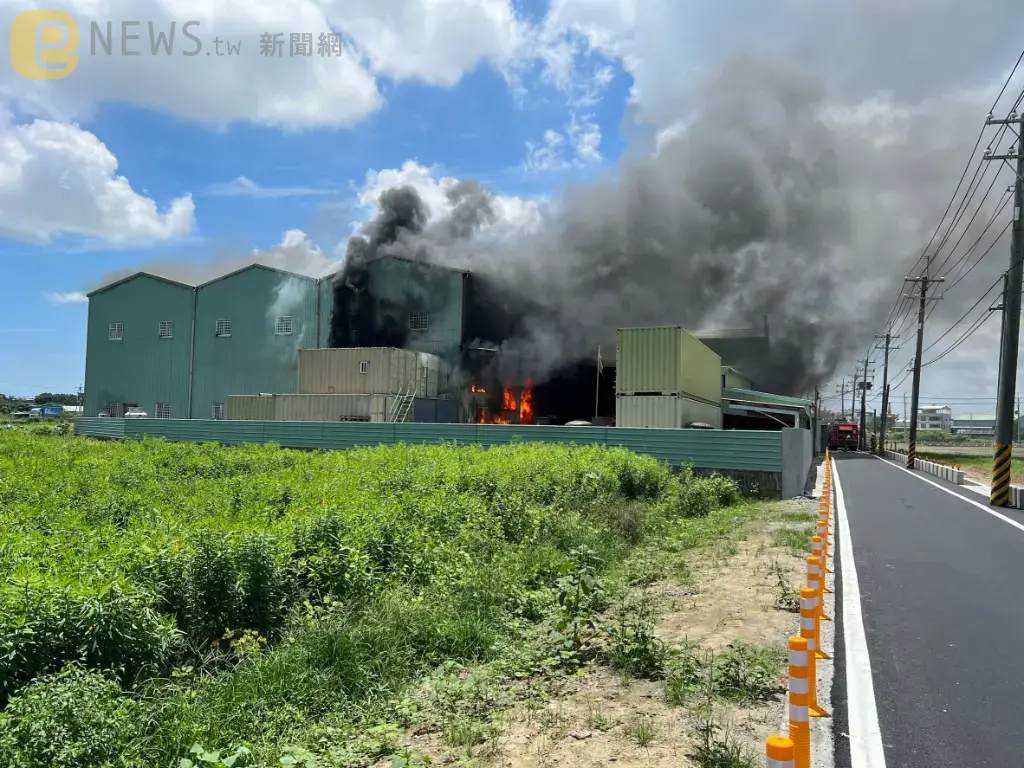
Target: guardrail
941, 471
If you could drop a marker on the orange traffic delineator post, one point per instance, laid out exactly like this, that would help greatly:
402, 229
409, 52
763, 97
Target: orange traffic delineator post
811, 632
799, 717
778, 752
815, 581
823, 532
817, 550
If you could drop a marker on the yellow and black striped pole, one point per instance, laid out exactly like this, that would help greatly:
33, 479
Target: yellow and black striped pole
911, 454
1000, 496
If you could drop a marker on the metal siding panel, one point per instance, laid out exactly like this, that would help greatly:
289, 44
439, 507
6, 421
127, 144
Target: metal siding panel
702, 449
142, 368
351, 435
253, 359
325, 289
336, 371
250, 408
666, 360
93, 426
402, 285
701, 370
321, 407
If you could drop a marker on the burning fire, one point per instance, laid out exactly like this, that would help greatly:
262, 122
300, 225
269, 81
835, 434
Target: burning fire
478, 390
526, 413
521, 407
510, 399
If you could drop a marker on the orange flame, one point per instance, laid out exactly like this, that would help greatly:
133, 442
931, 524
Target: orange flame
526, 413
510, 399
478, 390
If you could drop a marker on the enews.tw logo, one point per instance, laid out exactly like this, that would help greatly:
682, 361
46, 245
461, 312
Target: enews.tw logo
44, 45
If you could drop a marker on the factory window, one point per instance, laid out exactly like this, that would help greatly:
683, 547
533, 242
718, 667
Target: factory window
364, 366
166, 329
419, 321
115, 332
163, 410
223, 327
283, 326
218, 410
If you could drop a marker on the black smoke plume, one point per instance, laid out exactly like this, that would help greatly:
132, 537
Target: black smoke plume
759, 205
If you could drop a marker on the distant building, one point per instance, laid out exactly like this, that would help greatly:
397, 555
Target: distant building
973, 424
935, 417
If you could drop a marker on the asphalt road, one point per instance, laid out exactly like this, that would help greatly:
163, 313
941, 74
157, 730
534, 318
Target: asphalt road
941, 584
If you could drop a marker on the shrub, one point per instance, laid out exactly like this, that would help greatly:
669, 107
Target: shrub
72, 719
111, 628
725, 490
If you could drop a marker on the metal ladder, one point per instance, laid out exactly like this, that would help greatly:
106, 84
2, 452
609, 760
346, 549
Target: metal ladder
402, 405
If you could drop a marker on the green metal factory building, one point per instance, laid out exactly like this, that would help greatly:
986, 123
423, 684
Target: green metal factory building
178, 351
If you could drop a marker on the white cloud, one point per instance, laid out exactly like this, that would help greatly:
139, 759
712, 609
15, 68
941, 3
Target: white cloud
69, 297
296, 253
514, 216
57, 179
243, 186
433, 41
578, 147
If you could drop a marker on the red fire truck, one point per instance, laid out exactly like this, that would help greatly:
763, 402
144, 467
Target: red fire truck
842, 436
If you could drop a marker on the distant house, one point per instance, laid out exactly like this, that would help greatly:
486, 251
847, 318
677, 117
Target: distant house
974, 424
935, 417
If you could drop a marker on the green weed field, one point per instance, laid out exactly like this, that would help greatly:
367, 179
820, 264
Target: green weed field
272, 605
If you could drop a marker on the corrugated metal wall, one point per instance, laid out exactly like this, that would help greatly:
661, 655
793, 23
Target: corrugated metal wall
254, 358
706, 449
140, 368
664, 412
401, 286
388, 371
667, 361
250, 408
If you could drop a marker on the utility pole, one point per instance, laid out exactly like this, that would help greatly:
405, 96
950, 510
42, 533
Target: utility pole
885, 385
842, 399
1001, 459
905, 417
816, 421
915, 394
863, 438
853, 396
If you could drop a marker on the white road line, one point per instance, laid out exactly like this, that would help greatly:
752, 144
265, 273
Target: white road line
977, 504
865, 734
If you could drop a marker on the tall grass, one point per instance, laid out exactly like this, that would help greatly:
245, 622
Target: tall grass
254, 595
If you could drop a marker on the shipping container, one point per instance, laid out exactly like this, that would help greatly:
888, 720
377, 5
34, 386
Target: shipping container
666, 361
664, 412
373, 408
250, 408
733, 379
370, 371
322, 408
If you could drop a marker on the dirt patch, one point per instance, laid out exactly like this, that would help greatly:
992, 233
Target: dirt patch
601, 718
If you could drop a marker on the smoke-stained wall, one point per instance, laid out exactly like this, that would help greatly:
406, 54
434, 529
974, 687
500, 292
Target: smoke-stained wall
254, 358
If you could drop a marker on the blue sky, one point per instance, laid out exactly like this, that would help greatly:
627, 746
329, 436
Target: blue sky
479, 128
124, 163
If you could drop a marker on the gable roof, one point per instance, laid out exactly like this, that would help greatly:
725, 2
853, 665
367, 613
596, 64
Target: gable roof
133, 276
256, 265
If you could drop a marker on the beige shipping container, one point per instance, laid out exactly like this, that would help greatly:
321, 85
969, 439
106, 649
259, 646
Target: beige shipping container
250, 408
664, 412
370, 371
666, 361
